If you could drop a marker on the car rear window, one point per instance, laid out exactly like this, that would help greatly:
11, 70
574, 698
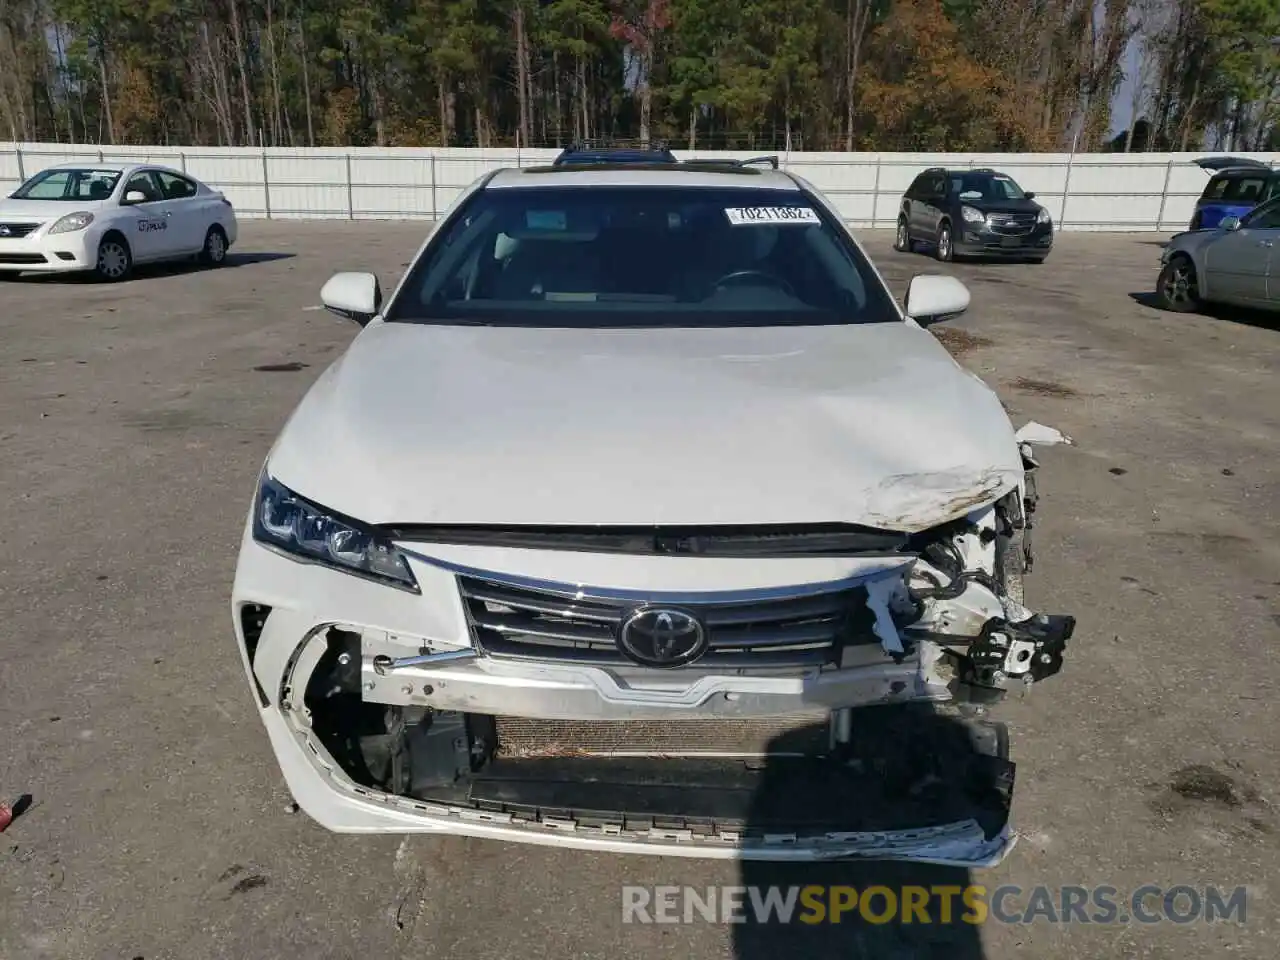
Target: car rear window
640, 257
1236, 188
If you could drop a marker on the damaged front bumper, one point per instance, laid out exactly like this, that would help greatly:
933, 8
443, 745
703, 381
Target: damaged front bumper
502, 705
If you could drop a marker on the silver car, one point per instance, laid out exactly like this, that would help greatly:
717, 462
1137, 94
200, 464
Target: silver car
1236, 263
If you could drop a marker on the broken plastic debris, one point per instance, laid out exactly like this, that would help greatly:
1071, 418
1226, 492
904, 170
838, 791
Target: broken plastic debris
10, 812
878, 594
1033, 432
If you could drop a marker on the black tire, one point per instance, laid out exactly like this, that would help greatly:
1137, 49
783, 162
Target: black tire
1178, 288
902, 239
115, 259
214, 253
945, 248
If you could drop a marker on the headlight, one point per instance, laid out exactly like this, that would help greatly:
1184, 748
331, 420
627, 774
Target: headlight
1043, 216
72, 222
973, 215
283, 520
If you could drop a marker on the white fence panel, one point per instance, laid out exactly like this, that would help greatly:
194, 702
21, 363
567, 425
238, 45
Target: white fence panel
1132, 192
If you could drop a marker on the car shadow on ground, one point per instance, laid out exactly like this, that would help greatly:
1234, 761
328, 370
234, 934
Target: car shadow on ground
233, 261
919, 767
1240, 315
977, 260
171, 268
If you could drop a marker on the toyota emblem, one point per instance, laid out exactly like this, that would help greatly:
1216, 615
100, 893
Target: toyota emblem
662, 637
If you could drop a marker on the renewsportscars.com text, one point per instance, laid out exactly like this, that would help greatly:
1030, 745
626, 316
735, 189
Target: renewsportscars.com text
971, 904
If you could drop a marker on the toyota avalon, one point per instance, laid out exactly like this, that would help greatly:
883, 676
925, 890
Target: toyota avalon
623, 520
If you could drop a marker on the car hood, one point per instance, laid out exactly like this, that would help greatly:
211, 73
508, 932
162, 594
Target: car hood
45, 209
872, 424
1190, 241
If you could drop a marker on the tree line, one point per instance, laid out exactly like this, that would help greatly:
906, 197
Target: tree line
958, 75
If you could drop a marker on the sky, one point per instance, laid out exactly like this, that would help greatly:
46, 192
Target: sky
1122, 103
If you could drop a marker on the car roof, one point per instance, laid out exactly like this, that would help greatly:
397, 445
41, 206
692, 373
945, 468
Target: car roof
117, 167
643, 175
966, 171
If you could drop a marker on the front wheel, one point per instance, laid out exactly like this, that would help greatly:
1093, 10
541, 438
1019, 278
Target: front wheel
115, 261
902, 240
214, 253
1178, 288
945, 251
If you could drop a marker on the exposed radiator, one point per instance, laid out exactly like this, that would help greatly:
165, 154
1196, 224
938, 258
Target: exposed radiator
805, 734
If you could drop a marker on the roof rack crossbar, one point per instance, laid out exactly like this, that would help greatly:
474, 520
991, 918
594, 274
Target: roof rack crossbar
771, 160
601, 143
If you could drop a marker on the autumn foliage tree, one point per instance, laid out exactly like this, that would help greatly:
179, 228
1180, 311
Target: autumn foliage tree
640, 25
927, 94
759, 74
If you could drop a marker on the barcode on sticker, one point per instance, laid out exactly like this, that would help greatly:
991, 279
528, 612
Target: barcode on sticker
738, 216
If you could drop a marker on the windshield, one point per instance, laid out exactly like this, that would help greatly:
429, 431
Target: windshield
64, 184
1265, 217
642, 257
986, 187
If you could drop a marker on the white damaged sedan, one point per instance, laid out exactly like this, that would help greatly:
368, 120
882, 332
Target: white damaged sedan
633, 520
107, 217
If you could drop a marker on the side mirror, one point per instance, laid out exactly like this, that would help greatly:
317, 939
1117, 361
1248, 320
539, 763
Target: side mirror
1229, 223
135, 196
933, 298
1030, 196
352, 296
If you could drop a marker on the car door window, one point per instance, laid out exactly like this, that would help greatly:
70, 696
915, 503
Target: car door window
919, 187
144, 183
937, 187
1264, 218
175, 187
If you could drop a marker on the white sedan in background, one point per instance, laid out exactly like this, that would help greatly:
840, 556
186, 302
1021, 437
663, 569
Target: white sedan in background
1237, 263
107, 217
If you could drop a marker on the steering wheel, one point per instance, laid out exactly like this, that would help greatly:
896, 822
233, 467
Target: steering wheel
758, 275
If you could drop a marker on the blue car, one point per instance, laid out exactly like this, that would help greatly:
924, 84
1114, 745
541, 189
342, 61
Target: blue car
1237, 186
582, 154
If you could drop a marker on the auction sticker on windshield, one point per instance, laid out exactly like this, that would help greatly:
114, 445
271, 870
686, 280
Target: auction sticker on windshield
740, 216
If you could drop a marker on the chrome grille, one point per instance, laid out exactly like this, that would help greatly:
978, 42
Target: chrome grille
1013, 224
519, 622
16, 231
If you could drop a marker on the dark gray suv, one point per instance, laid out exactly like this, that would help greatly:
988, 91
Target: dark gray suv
973, 213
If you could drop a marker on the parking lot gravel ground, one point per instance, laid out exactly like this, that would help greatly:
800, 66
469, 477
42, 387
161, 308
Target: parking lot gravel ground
134, 419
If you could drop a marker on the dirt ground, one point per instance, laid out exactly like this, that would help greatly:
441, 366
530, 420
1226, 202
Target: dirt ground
133, 421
